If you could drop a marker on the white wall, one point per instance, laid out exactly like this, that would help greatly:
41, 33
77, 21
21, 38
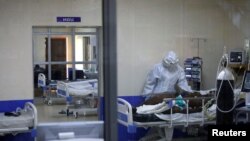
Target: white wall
17, 18
147, 29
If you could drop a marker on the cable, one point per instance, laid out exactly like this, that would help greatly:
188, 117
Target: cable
218, 91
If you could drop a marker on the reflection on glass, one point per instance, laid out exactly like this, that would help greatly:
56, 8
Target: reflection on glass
191, 28
59, 72
87, 67
85, 48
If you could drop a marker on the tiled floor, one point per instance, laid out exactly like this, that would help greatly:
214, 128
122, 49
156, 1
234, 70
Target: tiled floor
48, 113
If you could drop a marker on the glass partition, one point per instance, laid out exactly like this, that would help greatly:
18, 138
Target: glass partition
199, 32
65, 58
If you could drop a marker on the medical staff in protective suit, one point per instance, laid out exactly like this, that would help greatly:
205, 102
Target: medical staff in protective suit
164, 76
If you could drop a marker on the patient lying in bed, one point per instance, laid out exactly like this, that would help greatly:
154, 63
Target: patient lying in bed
163, 102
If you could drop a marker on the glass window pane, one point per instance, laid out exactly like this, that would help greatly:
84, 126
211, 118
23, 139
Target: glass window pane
61, 30
79, 74
39, 43
87, 67
61, 48
85, 30
59, 72
85, 48
54, 55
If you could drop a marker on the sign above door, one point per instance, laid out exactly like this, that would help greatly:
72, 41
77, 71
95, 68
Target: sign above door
68, 19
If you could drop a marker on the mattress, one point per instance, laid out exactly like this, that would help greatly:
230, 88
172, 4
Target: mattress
25, 119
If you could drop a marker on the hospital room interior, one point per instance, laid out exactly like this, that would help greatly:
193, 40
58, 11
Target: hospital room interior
123, 70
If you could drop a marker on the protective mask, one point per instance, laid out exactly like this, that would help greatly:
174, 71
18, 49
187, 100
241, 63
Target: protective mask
170, 60
169, 65
166, 63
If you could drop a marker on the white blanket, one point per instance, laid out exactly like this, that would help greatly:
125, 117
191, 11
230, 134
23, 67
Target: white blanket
158, 108
79, 90
149, 109
82, 88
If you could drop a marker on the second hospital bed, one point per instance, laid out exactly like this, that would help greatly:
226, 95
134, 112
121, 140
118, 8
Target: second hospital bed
22, 120
153, 115
81, 96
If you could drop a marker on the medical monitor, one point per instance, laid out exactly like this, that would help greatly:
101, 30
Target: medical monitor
246, 82
237, 56
79, 74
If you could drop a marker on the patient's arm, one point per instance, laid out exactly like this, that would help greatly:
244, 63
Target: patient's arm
193, 102
158, 98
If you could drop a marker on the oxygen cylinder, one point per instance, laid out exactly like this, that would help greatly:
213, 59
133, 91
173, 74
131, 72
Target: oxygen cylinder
225, 97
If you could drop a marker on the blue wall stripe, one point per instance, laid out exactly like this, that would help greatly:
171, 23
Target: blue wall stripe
133, 100
11, 105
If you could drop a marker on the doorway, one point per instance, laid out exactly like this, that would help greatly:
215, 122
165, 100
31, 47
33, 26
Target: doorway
64, 54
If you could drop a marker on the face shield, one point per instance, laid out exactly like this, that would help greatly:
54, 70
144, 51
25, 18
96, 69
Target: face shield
170, 60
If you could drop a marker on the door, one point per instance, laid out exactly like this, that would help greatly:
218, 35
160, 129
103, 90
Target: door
58, 54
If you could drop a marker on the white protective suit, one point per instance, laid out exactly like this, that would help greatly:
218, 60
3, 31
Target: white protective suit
164, 76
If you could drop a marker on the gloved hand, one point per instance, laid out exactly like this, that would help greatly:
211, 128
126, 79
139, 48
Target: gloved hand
179, 102
184, 94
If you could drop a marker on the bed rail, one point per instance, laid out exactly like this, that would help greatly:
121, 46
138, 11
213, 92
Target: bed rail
62, 89
29, 107
41, 80
125, 116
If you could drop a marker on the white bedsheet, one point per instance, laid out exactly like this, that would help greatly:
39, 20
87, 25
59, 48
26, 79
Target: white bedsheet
150, 109
82, 88
180, 117
157, 109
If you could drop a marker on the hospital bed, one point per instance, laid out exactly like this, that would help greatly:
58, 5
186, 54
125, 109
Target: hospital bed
21, 121
48, 87
166, 122
81, 96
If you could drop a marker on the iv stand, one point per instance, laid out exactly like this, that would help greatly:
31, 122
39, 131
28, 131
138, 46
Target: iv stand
198, 43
